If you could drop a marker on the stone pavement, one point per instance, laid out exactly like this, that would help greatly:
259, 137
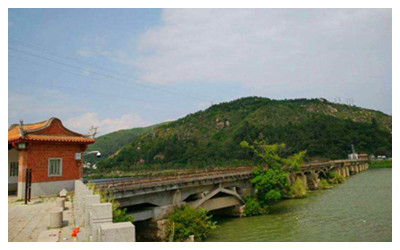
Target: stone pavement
28, 222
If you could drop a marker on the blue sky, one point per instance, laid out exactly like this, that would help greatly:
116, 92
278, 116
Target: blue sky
123, 68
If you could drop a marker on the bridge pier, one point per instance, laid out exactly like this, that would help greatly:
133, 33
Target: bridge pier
236, 211
346, 173
352, 170
312, 182
339, 171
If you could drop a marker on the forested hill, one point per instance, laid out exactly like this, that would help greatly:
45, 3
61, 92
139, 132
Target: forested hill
111, 143
211, 137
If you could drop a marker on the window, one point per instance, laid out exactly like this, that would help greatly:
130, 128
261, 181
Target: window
55, 167
13, 169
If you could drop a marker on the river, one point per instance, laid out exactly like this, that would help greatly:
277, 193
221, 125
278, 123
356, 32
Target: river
358, 210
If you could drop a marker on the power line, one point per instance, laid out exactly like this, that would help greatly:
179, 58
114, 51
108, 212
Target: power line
28, 24
81, 91
105, 75
46, 51
43, 50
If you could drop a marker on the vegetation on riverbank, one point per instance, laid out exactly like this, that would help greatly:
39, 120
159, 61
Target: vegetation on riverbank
298, 189
186, 221
119, 215
381, 164
335, 178
271, 183
324, 184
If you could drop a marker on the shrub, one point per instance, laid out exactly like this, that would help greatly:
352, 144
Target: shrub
253, 208
186, 221
335, 177
323, 184
298, 189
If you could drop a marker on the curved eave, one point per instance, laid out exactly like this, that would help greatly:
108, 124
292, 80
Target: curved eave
72, 140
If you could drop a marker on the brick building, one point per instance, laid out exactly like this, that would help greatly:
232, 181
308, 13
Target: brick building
51, 151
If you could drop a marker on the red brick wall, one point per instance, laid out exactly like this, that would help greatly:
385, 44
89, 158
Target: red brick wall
37, 155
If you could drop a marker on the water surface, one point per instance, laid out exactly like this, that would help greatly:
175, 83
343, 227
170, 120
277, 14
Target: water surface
358, 210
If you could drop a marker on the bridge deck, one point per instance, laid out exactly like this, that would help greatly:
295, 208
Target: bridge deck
179, 178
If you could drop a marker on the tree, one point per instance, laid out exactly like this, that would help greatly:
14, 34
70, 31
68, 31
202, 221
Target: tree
271, 182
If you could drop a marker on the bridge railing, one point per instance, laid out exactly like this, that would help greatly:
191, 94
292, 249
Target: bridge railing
178, 176
188, 174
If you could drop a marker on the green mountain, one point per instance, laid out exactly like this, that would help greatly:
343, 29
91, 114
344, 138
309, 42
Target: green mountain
111, 143
211, 137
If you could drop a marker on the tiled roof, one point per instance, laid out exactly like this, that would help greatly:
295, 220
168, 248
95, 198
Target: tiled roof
13, 131
32, 135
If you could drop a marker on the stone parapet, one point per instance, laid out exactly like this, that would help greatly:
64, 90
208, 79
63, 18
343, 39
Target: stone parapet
117, 232
95, 218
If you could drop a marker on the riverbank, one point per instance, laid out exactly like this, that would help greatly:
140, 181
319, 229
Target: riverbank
381, 164
358, 210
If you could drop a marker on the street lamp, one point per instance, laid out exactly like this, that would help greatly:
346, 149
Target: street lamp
98, 154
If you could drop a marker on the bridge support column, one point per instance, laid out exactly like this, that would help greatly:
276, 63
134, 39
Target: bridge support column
340, 171
352, 170
152, 230
311, 181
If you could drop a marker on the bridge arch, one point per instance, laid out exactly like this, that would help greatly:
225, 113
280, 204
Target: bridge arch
321, 174
209, 202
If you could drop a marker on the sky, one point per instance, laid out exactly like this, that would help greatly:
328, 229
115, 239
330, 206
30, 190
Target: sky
124, 68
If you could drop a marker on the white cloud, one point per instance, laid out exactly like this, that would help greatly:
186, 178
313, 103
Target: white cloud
254, 46
275, 52
84, 122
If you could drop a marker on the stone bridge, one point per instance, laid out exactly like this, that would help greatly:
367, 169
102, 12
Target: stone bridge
219, 191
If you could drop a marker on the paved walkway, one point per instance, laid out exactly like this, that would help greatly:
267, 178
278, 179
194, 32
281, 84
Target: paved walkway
28, 222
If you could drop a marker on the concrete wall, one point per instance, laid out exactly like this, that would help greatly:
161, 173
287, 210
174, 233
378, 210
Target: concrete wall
45, 188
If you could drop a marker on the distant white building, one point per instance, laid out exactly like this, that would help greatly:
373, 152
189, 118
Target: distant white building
353, 156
